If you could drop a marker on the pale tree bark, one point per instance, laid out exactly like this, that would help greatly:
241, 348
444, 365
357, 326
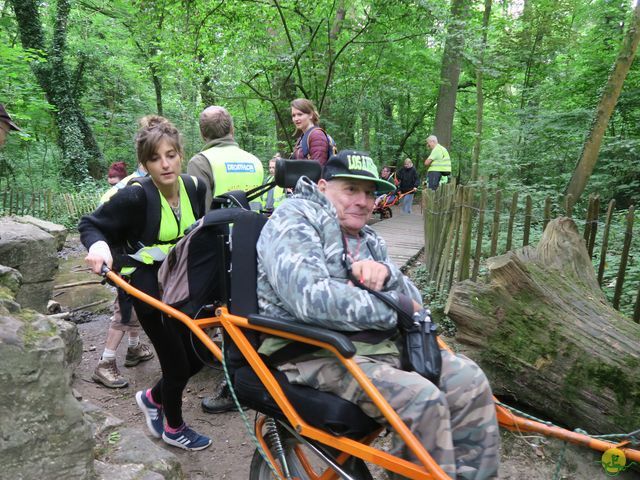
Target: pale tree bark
80, 152
450, 71
608, 100
477, 144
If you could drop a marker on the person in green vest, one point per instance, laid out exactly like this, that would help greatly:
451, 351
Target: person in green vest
137, 228
222, 164
438, 163
276, 195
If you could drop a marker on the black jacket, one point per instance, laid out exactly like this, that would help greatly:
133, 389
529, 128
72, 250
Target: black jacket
408, 179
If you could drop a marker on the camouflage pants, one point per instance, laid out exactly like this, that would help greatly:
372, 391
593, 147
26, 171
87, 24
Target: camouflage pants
456, 423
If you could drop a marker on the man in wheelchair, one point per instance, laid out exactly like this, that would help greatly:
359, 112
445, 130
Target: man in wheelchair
304, 253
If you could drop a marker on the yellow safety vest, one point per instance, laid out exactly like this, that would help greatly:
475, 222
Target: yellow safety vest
442, 160
233, 169
170, 230
278, 194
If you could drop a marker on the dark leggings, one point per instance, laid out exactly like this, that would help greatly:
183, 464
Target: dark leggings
172, 342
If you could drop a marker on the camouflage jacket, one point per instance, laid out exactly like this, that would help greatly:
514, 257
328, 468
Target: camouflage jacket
301, 275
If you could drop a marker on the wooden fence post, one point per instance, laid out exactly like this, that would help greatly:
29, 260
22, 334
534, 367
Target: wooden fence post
587, 223
636, 309
456, 242
605, 241
623, 259
594, 225
512, 216
465, 243
568, 205
527, 220
547, 212
495, 227
446, 251
478, 254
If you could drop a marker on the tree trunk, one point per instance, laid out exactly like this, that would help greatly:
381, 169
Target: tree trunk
475, 156
80, 152
544, 334
608, 100
450, 72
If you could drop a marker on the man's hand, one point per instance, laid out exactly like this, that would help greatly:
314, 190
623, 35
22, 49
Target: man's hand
428, 162
99, 254
371, 274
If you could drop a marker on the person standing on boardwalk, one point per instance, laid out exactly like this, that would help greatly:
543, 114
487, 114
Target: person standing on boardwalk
438, 163
408, 181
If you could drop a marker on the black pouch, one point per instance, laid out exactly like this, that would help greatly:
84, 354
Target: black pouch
420, 351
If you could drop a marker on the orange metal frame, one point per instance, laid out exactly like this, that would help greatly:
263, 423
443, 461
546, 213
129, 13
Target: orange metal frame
428, 469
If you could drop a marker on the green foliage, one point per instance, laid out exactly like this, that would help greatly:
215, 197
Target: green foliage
373, 69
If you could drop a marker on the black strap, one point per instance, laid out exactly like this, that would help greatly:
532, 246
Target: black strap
405, 319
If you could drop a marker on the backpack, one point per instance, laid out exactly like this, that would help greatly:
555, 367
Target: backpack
304, 143
195, 277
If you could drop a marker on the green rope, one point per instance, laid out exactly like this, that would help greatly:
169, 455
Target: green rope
244, 416
556, 475
632, 436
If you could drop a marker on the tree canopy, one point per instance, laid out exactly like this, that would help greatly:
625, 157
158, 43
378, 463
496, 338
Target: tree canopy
76, 76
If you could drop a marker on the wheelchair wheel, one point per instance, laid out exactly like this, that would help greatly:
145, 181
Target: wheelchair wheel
386, 213
302, 463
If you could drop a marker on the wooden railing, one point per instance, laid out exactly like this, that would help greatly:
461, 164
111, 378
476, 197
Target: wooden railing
465, 225
66, 208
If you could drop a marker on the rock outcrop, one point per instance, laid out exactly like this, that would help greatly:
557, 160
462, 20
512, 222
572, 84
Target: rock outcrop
44, 433
58, 232
33, 252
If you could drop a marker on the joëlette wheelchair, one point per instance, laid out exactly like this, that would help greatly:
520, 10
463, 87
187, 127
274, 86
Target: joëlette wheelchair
295, 420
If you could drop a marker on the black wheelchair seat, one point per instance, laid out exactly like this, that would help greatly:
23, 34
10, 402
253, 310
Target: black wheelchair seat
319, 409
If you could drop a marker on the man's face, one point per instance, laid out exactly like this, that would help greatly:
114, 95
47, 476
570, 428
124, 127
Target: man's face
4, 131
431, 144
353, 200
407, 164
272, 167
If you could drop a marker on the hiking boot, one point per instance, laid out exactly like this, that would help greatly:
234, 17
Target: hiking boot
222, 402
152, 414
108, 375
135, 355
187, 439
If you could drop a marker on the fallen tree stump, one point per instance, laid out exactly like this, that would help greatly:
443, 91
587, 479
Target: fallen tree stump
544, 334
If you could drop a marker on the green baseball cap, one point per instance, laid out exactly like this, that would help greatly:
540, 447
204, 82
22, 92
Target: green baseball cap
358, 165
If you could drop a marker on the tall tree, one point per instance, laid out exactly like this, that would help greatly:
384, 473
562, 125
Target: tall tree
450, 71
80, 152
606, 105
475, 155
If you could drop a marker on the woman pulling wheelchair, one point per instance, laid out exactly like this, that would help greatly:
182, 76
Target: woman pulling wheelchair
305, 253
141, 223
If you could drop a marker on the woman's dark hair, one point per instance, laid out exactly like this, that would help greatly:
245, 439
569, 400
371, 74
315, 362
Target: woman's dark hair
153, 129
306, 106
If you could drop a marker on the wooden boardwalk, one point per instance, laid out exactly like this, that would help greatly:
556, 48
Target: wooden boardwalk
404, 235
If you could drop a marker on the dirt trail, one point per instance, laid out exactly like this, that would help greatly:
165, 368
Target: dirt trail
230, 455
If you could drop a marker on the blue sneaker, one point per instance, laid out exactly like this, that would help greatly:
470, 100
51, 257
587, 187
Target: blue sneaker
187, 439
153, 414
